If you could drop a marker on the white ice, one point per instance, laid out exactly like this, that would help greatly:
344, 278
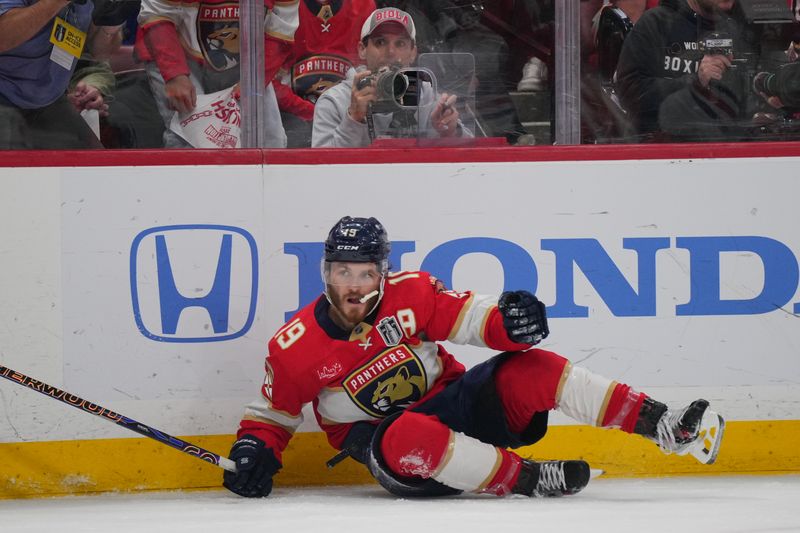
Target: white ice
674, 505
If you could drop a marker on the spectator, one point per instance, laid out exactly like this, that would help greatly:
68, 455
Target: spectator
93, 82
325, 48
127, 112
343, 115
671, 80
132, 119
191, 47
35, 71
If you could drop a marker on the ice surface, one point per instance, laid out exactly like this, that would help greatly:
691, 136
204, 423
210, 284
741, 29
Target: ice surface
674, 505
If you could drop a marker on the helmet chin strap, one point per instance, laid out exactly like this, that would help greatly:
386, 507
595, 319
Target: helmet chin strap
366, 297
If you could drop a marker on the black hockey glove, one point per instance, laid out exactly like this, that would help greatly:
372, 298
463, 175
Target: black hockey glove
255, 464
524, 317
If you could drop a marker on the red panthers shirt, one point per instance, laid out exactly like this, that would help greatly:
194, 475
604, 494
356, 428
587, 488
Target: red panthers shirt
388, 363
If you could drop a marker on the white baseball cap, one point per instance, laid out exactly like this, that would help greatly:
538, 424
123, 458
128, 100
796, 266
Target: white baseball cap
388, 14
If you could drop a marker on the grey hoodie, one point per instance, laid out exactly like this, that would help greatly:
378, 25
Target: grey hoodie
333, 126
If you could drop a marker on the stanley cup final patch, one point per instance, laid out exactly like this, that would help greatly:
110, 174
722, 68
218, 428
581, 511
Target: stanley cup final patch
218, 33
389, 382
390, 331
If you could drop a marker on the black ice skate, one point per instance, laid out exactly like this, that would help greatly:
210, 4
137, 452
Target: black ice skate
694, 430
551, 478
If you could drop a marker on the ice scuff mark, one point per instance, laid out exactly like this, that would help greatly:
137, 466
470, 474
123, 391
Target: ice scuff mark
76, 480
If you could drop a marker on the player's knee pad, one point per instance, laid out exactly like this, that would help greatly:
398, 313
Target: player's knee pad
406, 487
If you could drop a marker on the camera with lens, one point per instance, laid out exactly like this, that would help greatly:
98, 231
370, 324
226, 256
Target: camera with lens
716, 44
719, 43
397, 88
765, 83
783, 82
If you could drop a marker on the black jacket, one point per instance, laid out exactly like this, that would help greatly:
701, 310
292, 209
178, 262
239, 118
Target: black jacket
657, 75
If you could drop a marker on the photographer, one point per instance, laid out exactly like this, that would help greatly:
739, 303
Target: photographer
681, 73
343, 116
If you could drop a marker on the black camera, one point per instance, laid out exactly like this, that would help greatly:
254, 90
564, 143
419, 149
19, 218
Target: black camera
719, 43
716, 44
396, 87
783, 82
764, 82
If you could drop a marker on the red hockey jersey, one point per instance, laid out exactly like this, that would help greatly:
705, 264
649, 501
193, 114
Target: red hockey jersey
326, 43
386, 364
325, 47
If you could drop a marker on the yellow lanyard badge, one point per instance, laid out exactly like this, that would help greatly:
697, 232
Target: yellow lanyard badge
67, 37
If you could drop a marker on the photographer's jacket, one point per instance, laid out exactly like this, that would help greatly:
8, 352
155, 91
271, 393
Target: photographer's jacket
333, 126
657, 74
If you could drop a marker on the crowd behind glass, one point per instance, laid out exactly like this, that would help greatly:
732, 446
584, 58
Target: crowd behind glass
165, 74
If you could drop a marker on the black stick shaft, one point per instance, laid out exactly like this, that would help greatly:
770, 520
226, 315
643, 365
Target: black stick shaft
118, 419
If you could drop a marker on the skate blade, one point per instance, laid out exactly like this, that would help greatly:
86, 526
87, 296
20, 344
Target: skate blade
709, 438
595, 472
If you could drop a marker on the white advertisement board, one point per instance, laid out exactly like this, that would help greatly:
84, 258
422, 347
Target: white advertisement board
677, 277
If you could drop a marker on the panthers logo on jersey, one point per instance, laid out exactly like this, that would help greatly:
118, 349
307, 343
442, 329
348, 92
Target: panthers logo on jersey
314, 75
390, 382
218, 34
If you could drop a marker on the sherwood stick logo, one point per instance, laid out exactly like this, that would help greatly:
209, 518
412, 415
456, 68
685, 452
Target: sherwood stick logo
194, 283
59, 394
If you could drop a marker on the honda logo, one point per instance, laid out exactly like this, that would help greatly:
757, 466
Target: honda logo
194, 283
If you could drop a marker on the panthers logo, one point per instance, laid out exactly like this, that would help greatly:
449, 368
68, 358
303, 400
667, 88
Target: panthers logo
218, 34
222, 47
313, 75
397, 390
389, 382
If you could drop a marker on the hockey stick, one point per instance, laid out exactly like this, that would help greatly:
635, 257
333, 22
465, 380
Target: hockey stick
118, 419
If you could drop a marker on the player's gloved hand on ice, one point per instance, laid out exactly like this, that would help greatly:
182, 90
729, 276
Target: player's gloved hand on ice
255, 465
524, 317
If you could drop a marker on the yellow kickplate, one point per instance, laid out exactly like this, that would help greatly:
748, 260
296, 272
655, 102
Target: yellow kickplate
35, 469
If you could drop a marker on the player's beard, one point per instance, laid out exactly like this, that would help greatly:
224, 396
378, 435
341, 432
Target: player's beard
348, 307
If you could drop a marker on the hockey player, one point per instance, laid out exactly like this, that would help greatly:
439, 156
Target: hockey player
366, 355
